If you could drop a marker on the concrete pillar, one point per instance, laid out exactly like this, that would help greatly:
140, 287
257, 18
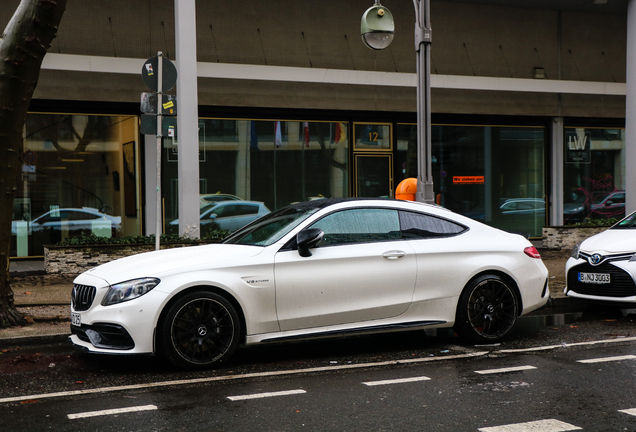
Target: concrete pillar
556, 174
187, 117
630, 111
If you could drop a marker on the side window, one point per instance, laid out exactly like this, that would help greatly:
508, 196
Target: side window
359, 226
246, 209
420, 226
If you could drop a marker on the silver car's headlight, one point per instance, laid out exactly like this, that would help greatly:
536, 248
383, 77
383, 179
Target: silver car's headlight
575, 251
129, 290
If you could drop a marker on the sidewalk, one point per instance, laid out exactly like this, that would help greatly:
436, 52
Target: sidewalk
46, 298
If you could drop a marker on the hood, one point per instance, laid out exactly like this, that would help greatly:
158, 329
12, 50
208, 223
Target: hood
611, 241
162, 262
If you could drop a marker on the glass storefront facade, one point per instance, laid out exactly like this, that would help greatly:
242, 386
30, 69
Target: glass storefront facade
593, 174
494, 174
79, 175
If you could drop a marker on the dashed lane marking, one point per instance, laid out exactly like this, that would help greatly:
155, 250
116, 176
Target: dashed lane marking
549, 425
607, 359
504, 370
266, 395
396, 381
631, 411
112, 412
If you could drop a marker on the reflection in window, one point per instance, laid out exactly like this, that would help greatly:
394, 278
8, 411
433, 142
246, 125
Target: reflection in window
359, 226
275, 162
75, 180
509, 159
593, 174
417, 226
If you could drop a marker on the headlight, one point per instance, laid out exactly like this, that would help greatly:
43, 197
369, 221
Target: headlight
129, 290
575, 251
633, 258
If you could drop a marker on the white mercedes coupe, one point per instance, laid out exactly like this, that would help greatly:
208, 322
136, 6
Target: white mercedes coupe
323, 268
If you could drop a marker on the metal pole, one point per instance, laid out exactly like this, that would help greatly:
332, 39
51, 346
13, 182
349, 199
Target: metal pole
158, 229
425, 191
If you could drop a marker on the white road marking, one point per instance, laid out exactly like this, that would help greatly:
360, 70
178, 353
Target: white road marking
396, 381
237, 377
549, 425
298, 371
504, 370
631, 411
265, 395
112, 411
607, 359
567, 345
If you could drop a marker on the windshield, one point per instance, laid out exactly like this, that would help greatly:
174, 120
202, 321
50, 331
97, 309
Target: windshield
628, 222
270, 228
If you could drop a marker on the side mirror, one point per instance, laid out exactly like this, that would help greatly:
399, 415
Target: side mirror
307, 239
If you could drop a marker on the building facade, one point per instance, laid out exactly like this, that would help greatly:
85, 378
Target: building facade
528, 112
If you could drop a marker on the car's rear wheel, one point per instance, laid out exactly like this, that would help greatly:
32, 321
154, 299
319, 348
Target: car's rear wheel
200, 330
487, 309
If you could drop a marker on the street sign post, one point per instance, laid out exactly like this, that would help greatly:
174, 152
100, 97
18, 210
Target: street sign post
160, 75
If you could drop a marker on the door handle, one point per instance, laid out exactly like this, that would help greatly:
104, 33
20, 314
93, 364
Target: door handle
395, 254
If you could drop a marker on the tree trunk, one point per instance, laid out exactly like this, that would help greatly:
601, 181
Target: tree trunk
23, 45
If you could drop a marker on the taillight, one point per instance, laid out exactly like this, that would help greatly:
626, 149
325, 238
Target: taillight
532, 252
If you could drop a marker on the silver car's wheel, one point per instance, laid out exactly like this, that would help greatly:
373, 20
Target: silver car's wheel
487, 309
200, 330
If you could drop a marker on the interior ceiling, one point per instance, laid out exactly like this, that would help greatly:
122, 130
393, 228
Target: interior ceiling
617, 7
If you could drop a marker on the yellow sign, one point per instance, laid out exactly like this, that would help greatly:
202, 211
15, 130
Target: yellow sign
168, 104
468, 179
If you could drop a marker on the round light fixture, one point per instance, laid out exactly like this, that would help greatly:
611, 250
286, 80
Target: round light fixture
377, 27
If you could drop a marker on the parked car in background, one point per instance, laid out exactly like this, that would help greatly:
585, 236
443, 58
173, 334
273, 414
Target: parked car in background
229, 215
329, 267
603, 267
206, 199
72, 219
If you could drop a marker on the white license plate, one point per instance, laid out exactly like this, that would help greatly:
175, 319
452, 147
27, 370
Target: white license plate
594, 278
76, 319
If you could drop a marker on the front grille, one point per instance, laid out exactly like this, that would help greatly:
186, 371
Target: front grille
82, 297
621, 283
110, 336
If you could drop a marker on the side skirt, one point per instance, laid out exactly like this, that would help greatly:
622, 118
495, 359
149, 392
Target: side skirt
358, 330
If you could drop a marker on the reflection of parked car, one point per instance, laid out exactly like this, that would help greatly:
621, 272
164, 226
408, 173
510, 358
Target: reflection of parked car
206, 199
522, 206
71, 219
575, 211
320, 268
609, 205
230, 215
603, 268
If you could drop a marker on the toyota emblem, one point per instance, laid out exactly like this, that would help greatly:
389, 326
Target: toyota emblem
595, 259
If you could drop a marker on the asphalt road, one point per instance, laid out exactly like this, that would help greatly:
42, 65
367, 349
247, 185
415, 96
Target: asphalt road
408, 382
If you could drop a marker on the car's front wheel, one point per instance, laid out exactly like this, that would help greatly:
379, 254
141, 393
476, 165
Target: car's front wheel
200, 330
487, 309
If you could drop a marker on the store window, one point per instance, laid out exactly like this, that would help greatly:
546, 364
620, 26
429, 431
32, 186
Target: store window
593, 174
273, 162
494, 174
79, 175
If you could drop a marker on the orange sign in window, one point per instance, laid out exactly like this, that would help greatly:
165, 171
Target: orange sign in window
468, 179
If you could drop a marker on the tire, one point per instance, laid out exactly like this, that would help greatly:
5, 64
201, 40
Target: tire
199, 331
487, 309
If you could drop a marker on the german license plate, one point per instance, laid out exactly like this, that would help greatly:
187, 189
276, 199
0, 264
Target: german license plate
76, 319
594, 278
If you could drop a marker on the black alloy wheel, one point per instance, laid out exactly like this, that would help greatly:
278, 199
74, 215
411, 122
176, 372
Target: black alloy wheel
200, 330
487, 310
